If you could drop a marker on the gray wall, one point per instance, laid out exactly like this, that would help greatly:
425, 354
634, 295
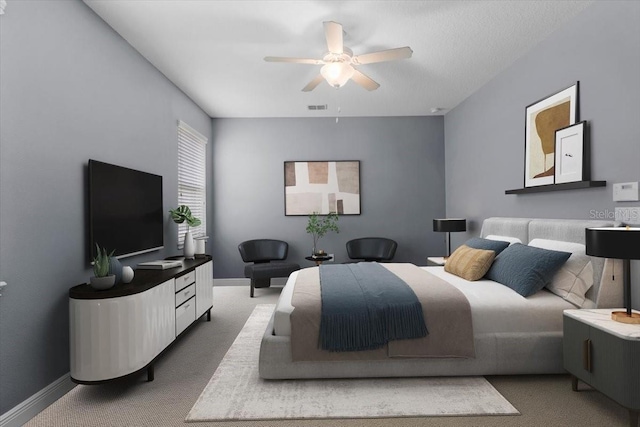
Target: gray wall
401, 173
485, 134
72, 89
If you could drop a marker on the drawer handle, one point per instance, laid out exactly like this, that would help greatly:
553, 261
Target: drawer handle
186, 306
187, 293
586, 355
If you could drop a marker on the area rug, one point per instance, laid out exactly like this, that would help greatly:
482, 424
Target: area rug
235, 392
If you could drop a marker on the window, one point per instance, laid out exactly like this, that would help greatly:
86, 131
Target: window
192, 178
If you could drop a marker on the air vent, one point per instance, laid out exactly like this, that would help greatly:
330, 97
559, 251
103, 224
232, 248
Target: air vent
317, 107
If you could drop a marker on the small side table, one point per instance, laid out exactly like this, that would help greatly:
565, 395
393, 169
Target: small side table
318, 259
435, 261
604, 354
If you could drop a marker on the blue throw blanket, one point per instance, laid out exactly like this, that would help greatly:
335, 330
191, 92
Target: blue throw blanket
364, 306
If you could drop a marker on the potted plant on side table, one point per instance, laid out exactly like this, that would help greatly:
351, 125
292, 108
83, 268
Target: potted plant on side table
318, 227
101, 262
180, 215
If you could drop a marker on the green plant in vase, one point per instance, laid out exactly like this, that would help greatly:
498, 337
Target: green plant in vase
318, 227
183, 214
101, 262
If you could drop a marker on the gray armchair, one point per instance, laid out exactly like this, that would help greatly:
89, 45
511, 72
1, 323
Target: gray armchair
372, 249
267, 256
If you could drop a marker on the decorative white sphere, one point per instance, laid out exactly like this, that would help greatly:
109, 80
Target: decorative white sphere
127, 274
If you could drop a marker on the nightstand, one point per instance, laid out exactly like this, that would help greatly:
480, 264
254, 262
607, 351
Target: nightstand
435, 261
604, 354
318, 259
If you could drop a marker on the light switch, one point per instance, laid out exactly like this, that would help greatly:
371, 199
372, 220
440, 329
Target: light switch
625, 192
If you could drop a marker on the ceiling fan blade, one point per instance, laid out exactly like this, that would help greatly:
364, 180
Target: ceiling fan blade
294, 60
333, 34
364, 81
383, 55
313, 83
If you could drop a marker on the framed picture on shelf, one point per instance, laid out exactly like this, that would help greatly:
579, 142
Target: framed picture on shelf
572, 154
322, 187
542, 119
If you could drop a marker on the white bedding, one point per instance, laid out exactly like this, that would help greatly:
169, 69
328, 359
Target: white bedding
281, 322
495, 308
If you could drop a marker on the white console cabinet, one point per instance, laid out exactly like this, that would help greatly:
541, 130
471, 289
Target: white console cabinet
122, 330
204, 288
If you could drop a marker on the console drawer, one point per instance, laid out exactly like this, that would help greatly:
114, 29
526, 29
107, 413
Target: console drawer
185, 315
184, 281
185, 294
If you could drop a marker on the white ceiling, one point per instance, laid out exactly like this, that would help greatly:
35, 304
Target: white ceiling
213, 50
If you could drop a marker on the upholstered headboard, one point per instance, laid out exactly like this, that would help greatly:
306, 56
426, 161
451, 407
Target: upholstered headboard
607, 274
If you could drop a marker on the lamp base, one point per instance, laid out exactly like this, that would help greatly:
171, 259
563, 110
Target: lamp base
623, 317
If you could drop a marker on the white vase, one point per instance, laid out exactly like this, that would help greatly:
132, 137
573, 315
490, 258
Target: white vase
200, 247
189, 246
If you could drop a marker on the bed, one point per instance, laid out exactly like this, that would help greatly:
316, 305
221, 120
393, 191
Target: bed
511, 334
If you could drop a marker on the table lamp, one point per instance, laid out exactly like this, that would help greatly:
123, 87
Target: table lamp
449, 225
617, 243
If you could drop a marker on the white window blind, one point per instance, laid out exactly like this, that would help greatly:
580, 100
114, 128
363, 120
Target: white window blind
192, 178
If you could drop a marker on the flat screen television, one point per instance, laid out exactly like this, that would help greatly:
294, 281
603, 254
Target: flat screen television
125, 210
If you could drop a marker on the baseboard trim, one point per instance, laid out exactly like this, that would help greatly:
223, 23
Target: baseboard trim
231, 282
23, 412
278, 281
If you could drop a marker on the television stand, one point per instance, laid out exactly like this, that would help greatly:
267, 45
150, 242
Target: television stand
122, 331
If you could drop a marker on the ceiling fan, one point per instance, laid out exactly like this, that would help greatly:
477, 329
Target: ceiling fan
338, 64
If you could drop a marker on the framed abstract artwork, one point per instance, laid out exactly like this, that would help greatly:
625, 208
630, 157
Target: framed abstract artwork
322, 187
543, 118
572, 154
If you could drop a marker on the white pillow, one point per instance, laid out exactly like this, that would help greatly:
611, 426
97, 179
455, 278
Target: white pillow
511, 240
575, 277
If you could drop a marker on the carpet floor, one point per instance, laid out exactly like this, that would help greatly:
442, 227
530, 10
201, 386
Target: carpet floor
236, 392
183, 372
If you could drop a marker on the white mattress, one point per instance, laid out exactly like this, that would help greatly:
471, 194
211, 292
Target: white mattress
281, 322
494, 307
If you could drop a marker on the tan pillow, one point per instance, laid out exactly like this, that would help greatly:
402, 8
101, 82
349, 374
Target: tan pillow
469, 263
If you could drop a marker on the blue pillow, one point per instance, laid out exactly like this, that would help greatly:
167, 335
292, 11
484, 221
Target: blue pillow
493, 245
526, 269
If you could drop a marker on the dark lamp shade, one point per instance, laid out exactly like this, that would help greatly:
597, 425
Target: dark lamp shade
613, 242
449, 225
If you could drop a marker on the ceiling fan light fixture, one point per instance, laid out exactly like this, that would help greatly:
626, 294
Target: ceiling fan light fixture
337, 74
339, 61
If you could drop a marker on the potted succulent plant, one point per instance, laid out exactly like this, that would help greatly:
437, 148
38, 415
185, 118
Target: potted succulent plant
318, 227
183, 214
102, 278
